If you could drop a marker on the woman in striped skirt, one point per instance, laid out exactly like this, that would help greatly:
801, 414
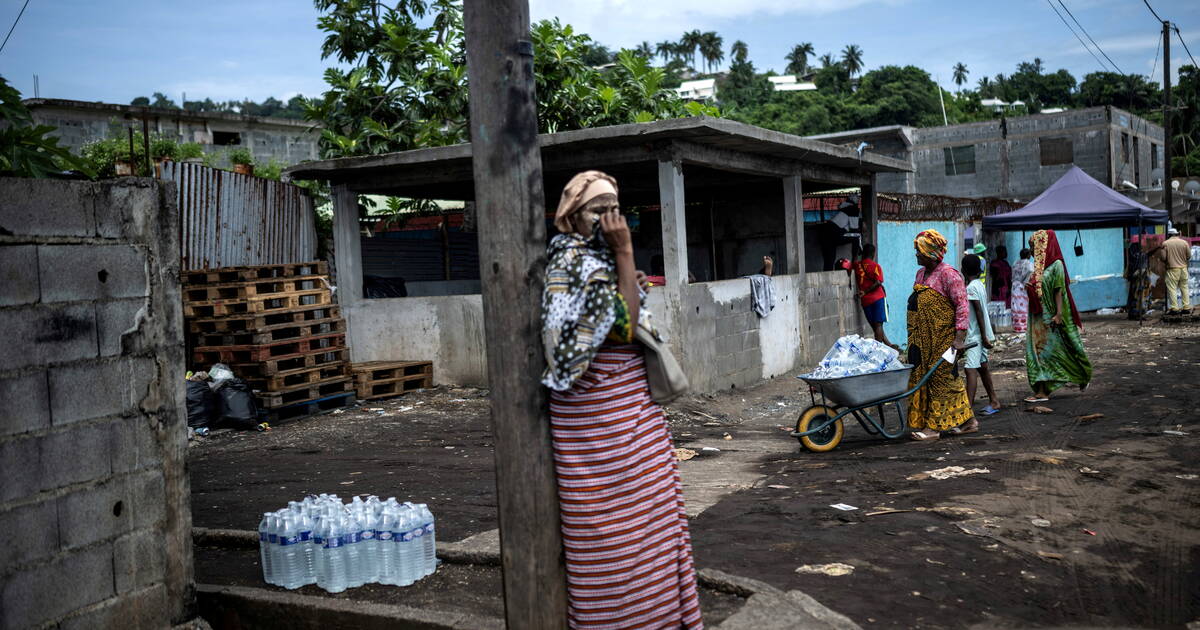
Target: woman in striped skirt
625, 534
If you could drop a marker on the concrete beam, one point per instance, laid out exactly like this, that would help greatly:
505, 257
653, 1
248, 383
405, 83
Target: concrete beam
793, 220
674, 243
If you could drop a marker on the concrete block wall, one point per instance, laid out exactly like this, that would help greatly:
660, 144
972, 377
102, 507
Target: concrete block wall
94, 497
831, 311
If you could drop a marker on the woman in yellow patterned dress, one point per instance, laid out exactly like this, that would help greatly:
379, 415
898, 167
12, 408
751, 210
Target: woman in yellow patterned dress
937, 320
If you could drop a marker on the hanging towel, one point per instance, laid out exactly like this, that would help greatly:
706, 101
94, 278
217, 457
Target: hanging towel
762, 294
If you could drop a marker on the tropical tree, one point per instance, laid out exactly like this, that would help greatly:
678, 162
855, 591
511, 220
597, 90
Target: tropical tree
798, 58
985, 87
827, 61
852, 57
739, 51
28, 149
644, 49
688, 45
711, 49
665, 50
960, 74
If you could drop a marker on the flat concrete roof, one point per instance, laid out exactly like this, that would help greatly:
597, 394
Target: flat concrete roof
716, 146
136, 111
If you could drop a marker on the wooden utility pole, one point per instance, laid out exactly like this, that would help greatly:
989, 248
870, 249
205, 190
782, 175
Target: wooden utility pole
510, 203
1167, 119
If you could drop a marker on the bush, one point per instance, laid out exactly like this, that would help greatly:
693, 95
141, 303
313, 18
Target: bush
190, 150
241, 156
164, 148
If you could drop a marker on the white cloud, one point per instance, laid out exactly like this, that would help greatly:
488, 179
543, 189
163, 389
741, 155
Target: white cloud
629, 22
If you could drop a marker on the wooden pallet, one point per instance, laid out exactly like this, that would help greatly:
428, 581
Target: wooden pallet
264, 322
288, 365
382, 379
262, 352
224, 275
255, 288
310, 407
306, 393
271, 335
261, 304
303, 376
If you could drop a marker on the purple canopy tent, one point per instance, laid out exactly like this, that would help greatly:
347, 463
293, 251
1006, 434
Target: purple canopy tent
1076, 201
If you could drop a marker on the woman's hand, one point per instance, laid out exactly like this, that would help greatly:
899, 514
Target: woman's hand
1056, 320
642, 281
616, 232
960, 340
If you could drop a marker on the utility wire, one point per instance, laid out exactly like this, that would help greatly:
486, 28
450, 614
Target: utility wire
1154, 68
1153, 11
1083, 43
1181, 41
1089, 36
14, 26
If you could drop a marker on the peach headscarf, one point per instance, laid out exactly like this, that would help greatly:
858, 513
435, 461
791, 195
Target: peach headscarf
582, 188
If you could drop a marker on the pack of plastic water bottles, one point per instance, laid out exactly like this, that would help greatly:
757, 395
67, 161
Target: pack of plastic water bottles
853, 355
336, 545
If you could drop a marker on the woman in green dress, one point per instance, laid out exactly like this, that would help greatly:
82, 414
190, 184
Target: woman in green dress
1054, 354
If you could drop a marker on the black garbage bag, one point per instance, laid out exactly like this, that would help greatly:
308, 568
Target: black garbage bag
238, 407
201, 404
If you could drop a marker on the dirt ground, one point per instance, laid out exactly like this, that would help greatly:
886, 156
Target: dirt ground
1116, 541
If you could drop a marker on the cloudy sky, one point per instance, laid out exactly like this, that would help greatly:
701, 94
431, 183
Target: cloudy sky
232, 49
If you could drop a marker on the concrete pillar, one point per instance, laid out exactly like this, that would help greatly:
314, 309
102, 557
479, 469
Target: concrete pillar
674, 243
348, 247
793, 220
869, 215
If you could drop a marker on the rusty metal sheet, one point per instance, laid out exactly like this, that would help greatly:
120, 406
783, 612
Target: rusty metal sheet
230, 219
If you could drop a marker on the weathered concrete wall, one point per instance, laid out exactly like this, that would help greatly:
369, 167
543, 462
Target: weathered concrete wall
94, 499
1097, 277
832, 311
447, 330
899, 262
289, 141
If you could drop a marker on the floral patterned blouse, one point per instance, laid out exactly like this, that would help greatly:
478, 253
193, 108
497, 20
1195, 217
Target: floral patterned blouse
949, 282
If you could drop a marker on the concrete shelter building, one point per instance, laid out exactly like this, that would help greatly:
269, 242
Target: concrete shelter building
708, 198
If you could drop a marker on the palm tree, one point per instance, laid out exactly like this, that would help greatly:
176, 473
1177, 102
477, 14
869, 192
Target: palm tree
985, 87
960, 74
1037, 65
853, 58
798, 58
645, 50
739, 51
710, 49
665, 49
827, 60
688, 44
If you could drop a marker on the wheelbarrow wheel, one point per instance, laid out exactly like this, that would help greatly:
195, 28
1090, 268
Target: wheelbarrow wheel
825, 439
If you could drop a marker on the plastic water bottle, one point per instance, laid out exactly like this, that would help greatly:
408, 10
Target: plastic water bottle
291, 554
274, 526
370, 547
406, 556
308, 564
387, 548
428, 539
335, 559
351, 540
265, 553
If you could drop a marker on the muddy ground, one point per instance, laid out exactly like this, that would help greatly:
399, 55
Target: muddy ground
1121, 547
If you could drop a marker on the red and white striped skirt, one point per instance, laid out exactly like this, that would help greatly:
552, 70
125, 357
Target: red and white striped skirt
625, 533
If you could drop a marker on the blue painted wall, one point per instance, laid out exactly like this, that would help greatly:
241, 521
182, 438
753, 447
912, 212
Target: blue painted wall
898, 259
1097, 277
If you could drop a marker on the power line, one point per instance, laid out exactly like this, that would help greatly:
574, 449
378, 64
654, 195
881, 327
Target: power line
1181, 41
1154, 68
1081, 42
1153, 11
14, 26
1089, 36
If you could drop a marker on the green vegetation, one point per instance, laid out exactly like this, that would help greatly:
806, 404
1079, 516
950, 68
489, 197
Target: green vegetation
241, 155
26, 149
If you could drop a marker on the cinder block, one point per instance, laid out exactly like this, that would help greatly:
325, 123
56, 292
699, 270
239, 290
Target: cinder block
727, 344
19, 468
98, 389
35, 527
46, 593
40, 335
18, 275
46, 207
139, 560
114, 508
24, 404
125, 208
91, 272
146, 608
135, 443
114, 319
76, 455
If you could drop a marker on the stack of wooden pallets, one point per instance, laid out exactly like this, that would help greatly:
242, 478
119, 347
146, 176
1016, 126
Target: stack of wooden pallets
276, 327
384, 379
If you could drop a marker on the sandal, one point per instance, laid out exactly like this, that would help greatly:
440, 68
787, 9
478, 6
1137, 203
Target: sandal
965, 428
1037, 399
989, 410
924, 436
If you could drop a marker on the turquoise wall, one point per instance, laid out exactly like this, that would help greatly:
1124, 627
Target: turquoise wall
898, 259
1097, 277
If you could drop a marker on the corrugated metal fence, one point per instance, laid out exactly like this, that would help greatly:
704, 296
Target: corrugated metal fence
232, 220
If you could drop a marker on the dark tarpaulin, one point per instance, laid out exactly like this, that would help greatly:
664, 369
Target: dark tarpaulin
1076, 200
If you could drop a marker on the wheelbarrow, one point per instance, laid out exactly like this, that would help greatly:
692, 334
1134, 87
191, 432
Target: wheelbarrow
820, 427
